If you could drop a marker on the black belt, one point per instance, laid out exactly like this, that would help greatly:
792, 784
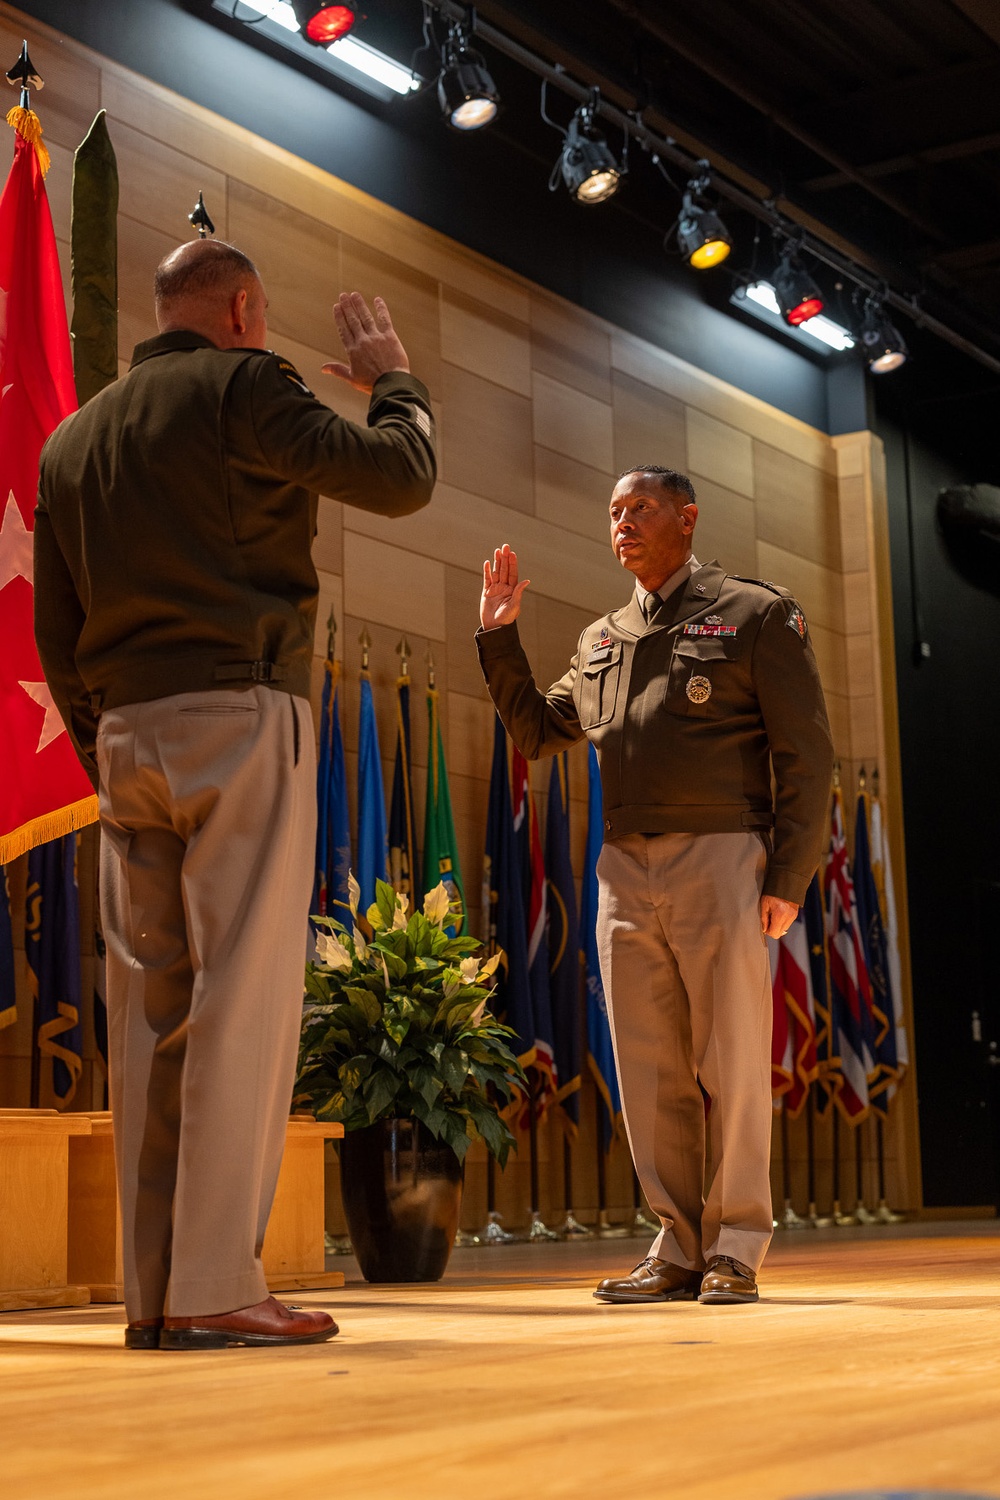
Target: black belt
252, 671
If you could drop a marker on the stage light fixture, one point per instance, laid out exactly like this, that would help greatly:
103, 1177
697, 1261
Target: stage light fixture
798, 296
883, 344
323, 24
587, 163
759, 299
702, 238
468, 96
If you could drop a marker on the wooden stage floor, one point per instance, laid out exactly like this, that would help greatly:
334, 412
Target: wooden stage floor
872, 1362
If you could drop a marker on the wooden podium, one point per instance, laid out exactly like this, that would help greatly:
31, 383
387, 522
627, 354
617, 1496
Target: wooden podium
34, 1173
293, 1253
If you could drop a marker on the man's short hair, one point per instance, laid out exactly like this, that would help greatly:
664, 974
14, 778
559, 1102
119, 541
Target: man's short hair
216, 268
671, 479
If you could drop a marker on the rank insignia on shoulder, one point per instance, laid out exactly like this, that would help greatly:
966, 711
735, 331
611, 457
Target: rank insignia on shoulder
797, 621
291, 373
709, 630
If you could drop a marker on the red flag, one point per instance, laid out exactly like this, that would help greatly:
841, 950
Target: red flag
793, 1050
44, 791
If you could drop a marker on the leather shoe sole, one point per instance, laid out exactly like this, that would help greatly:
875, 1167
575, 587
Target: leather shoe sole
679, 1294
721, 1296
140, 1336
226, 1338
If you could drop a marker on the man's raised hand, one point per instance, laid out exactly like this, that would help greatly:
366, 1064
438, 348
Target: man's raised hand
501, 600
369, 339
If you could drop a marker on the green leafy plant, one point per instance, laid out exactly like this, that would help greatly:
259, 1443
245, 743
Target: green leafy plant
397, 1026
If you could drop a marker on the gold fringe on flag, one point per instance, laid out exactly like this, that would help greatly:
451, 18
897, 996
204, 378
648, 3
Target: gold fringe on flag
50, 826
29, 126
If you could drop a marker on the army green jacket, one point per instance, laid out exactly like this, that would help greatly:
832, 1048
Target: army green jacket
690, 715
176, 513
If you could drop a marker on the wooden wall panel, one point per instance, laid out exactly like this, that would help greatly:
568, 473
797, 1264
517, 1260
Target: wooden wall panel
539, 405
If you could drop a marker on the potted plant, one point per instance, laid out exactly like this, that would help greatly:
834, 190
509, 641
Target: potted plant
398, 1045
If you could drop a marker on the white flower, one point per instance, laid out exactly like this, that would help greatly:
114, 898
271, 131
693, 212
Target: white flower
437, 904
477, 1015
469, 968
353, 893
360, 946
332, 951
401, 913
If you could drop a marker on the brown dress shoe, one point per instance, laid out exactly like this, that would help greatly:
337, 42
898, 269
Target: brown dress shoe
728, 1280
144, 1333
267, 1322
652, 1281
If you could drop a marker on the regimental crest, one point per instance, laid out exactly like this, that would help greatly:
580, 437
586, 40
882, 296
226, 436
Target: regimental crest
797, 621
698, 689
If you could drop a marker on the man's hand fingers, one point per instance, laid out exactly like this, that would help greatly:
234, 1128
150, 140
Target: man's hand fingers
349, 315
382, 317
363, 312
520, 590
342, 372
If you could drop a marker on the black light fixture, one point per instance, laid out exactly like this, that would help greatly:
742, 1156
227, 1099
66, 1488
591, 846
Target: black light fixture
324, 24
883, 344
586, 163
798, 296
702, 238
469, 98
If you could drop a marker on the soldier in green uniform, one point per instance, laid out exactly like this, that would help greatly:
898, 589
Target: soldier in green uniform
175, 600
703, 700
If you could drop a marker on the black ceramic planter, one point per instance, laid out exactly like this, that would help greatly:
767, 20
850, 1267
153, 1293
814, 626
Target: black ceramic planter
402, 1193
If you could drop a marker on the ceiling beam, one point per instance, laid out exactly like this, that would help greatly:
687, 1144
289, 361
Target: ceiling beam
911, 162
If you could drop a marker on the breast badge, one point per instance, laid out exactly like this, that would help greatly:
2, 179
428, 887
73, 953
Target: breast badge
698, 689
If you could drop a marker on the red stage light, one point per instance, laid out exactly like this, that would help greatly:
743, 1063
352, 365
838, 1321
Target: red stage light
806, 309
329, 24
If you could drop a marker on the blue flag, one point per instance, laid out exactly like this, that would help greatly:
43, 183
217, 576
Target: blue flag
333, 829
373, 848
602, 1058
8, 996
535, 896
563, 955
52, 946
503, 907
402, 839
883, 1041
827, 1061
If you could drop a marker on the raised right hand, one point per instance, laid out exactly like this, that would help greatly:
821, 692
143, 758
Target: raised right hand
370, 342
501, 600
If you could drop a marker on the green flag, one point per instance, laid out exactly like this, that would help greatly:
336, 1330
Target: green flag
440, 844
94, 235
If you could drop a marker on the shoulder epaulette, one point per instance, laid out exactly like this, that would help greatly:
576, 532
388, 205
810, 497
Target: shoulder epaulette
762, 583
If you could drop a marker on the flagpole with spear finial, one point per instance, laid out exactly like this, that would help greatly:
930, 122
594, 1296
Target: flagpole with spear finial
198, 217
22, 117
861, 1210
841, 1220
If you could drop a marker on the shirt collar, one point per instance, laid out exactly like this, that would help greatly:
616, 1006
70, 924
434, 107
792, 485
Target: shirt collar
675, 581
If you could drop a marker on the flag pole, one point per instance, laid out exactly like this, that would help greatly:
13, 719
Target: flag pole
605, 1229
861, 1212
570, 1228
537, 1227
841, 1219
789, 1218
813, 1217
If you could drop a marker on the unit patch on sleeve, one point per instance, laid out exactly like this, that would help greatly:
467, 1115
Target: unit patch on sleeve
422, 420
797, 621
292, 374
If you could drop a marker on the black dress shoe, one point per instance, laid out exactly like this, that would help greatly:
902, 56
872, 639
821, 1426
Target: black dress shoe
652, 1281
728, 1280
144, 1334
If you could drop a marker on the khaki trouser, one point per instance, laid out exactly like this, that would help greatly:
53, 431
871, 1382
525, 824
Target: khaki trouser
686, 976
208, 819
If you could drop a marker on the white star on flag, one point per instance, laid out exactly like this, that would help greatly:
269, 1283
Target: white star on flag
52, 726
15, 544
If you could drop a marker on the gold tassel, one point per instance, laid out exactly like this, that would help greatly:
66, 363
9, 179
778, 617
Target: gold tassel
28, 125
51, 825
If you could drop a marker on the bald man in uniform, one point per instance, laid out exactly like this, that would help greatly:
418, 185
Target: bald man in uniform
694, 694
175, 601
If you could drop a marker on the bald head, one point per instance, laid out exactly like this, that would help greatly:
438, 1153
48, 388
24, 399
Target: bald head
211, 288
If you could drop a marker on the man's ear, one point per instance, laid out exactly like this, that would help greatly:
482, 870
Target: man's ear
238, 311
689, 515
